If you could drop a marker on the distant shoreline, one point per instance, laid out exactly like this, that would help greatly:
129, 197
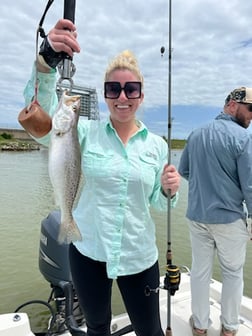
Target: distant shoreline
16, 145
178, 144
8, 142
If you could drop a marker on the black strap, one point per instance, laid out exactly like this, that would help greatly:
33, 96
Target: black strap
40, 29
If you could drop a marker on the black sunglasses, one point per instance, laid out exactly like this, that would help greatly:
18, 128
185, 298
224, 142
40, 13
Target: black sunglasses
132, 90
248, 105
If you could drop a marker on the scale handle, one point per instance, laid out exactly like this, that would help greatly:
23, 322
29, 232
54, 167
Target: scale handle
69, 10
67, 69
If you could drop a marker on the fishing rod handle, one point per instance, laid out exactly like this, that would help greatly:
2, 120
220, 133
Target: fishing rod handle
69, 10
66, 67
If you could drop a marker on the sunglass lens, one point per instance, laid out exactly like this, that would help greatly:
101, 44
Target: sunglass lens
112, 90
132, 89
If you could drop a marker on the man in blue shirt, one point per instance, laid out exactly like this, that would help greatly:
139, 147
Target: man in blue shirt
217, 162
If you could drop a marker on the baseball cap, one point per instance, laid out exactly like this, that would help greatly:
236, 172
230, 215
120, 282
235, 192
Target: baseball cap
240, 95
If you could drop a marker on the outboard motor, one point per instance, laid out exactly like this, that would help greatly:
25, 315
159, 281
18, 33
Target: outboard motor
53, 257
54, 266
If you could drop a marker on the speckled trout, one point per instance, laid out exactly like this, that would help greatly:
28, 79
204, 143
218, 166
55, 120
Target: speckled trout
65, 164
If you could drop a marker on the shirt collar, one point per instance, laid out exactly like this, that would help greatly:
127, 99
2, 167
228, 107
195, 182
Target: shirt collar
226, 116
142, 128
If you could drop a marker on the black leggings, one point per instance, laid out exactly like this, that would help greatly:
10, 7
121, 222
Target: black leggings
94, 291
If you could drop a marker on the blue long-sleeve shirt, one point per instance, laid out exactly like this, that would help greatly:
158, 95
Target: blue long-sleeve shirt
121, 183
217, 162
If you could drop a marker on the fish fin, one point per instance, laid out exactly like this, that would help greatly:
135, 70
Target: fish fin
69, 232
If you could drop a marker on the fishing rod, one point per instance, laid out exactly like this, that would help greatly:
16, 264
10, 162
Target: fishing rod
172, 276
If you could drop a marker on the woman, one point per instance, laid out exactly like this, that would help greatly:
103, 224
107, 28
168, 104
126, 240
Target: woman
125, 171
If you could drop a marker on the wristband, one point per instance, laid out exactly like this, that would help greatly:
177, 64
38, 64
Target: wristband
42, 61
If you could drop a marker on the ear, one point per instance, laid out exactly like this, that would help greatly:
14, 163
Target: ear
142, 97
232, 107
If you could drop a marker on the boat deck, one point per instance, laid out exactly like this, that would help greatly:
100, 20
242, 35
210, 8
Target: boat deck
181, 311
180, 314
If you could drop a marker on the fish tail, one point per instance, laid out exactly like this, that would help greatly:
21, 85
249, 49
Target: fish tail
69, 232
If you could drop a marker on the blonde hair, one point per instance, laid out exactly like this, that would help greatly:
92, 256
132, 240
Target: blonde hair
125, 60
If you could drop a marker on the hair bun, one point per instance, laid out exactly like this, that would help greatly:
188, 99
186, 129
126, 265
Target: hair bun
129, 56
125, 60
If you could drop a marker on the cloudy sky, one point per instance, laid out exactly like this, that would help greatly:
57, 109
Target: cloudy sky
211, 43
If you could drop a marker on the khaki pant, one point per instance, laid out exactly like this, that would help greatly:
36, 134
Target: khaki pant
229, 242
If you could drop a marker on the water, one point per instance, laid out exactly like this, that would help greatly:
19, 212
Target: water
26, 198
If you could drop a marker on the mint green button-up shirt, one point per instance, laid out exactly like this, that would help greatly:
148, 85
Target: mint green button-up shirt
121, 184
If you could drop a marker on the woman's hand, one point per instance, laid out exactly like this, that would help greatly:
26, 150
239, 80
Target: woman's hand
63, 37
170, 179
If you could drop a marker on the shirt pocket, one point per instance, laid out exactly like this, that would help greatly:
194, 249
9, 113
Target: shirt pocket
149, 168
96, 162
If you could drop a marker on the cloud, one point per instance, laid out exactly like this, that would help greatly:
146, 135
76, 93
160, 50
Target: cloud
211, 52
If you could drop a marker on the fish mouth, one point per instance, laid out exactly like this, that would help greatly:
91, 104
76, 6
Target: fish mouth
74, 101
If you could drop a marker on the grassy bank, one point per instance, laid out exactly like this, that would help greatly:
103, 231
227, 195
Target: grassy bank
8, 143
177, 144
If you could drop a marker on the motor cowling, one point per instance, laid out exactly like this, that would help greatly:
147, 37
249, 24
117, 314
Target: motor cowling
54, 266
53, 257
